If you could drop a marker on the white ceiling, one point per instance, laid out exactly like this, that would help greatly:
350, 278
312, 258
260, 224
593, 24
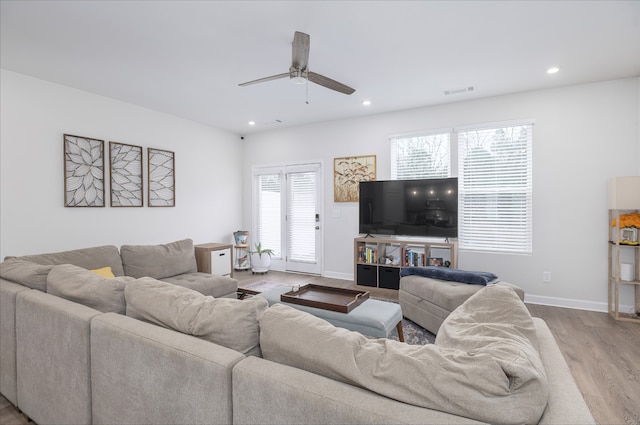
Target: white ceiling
186, 58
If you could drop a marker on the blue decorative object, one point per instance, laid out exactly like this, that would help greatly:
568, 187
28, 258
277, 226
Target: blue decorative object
453, 275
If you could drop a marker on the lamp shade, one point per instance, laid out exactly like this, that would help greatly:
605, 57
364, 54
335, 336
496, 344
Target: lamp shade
624, 193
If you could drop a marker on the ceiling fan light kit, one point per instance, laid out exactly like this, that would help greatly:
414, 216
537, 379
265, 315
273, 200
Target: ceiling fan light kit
298, 76
299, 72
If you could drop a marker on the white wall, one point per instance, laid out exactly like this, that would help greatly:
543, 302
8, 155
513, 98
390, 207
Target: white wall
35, 114
583, 135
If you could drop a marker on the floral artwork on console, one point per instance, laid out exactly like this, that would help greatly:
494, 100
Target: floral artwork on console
348, 172
126, 175
161, 178
83, 171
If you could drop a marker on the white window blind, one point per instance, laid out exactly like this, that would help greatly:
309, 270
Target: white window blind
420, 156
496, 189
268, 212
301, 216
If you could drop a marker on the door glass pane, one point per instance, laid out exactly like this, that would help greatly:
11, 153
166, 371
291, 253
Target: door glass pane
301, 216
269, 216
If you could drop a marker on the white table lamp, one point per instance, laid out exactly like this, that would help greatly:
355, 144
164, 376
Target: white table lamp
624, 193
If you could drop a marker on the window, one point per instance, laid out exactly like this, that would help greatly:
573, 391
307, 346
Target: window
495, 189
420, 156
494, 177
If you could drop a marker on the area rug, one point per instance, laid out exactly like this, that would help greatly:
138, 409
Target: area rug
413, 333
263, 285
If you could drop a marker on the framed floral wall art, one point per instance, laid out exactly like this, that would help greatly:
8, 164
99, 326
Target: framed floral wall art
348, 172
83, 171
162, 182
126, 175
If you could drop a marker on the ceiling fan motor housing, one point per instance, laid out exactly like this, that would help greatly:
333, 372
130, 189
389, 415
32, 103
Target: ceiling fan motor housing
298, 76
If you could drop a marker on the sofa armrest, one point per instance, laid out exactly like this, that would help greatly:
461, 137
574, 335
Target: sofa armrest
565, 404
143, 373
265, 392
8, 293
53, 362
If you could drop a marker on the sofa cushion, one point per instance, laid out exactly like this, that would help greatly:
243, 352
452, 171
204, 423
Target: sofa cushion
206, 284
159, 261
495, 321
228, 322
86, 287
88, 258
27, 273
477, 383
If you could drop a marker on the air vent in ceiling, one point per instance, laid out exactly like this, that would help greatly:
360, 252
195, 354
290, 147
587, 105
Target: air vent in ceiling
458, 91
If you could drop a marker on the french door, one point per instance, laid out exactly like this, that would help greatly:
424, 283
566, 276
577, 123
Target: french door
287, 218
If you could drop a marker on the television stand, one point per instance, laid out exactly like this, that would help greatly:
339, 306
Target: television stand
378, 261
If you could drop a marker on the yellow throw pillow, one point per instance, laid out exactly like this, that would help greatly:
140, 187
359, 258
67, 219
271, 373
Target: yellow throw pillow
104, 272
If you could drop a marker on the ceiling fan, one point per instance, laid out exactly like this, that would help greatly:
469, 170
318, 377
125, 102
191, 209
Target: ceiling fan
299, 72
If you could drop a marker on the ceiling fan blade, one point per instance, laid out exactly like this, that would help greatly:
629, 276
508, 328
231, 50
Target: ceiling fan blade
300, 50
265, 79
329, 83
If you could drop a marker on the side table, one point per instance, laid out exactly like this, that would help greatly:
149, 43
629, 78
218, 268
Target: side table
215, 258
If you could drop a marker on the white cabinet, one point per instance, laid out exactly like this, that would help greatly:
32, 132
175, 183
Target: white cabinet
215, 258
221, 262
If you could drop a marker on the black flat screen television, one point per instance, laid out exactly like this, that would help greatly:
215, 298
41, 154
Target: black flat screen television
427, 207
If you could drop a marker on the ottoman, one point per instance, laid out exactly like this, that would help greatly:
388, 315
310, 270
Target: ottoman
428, 301
372, 317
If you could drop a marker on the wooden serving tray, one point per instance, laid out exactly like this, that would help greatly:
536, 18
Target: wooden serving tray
325, 297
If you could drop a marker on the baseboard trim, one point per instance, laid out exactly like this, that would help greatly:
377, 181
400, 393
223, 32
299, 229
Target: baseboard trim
572, 303
336, 275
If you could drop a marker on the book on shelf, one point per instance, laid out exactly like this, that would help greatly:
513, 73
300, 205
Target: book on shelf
367, 255
413, 258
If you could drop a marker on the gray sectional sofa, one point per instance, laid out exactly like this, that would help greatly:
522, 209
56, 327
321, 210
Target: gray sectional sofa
133, 349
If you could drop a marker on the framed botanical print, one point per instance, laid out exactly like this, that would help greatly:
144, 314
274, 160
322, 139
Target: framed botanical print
348, 172
83, 171
162, 178
126, 175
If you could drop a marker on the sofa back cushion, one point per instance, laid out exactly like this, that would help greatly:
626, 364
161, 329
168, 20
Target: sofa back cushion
500, 380
88, 288
228, 322
88, 258
159, 261
27, 273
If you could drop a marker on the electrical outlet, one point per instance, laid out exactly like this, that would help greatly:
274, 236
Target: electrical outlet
546, 276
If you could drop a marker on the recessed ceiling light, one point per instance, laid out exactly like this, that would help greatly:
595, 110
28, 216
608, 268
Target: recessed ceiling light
553, 70
252, 123
366, 102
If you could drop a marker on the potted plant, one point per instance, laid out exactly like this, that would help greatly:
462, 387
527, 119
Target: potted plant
261, 259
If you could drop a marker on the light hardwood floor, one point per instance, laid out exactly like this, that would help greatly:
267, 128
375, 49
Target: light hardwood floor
603, 354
